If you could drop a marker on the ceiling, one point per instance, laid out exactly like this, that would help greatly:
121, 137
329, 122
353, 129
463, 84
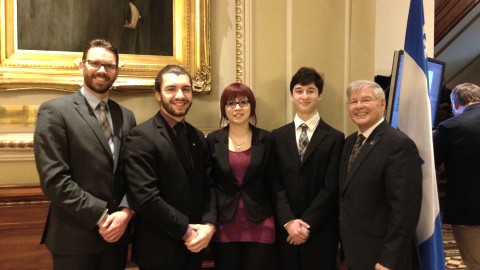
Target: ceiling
460, 49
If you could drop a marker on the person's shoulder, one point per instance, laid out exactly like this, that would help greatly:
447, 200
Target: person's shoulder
215, 135
328, 128
60, 101
261, 131
283, 129
146, 125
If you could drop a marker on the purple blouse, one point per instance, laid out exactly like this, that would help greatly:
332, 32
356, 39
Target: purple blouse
240, 228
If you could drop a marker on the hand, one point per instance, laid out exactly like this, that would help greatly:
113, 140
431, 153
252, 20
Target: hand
298, 232
204, 234
380, 267
135, 16
113, 226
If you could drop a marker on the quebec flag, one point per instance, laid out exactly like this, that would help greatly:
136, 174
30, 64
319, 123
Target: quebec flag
414, 119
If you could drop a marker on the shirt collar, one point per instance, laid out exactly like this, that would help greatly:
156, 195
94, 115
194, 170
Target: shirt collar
370, 130
92, 100
311, 123
170, 121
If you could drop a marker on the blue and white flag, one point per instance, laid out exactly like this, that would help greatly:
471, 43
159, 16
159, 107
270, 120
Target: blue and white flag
414, 118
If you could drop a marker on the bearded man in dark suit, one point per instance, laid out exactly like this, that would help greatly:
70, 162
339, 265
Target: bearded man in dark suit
166, 166
78, 152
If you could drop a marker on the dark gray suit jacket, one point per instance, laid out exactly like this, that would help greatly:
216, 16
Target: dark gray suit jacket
165, 194
77, 171
380, 199
457, 143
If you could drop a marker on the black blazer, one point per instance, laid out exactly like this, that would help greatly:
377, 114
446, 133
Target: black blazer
256, 187
77, 171
165, 195
308, 189
456, 142
380, 199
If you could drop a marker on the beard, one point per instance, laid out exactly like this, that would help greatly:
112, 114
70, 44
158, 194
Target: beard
98, 88
167, 106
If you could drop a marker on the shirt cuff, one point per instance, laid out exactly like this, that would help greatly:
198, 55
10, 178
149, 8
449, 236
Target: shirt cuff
103, 215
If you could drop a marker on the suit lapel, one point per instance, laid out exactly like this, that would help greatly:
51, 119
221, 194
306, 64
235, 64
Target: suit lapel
256, 154
317, 137
163, 130
89, 116
221, 150
290, 139
370, 144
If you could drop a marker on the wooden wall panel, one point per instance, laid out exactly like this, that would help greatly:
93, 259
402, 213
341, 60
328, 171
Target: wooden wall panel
23, 210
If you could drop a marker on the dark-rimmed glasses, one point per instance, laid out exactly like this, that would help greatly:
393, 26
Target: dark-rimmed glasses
96, 65
242, 103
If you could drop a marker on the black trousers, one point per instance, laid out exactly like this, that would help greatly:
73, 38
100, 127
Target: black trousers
243, 256
308, 256
114, 257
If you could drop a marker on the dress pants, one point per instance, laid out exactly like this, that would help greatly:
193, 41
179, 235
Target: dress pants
468, 242
113, 257
243, 256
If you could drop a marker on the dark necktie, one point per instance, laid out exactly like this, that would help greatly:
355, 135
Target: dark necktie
356, 149
182, 138
302, 141
107, 130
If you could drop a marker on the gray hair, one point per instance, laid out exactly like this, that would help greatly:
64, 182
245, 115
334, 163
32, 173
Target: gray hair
360, 84
465, 93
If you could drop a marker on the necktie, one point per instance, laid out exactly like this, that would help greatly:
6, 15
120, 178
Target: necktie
182, 138
302, 141
356, 149
107, 130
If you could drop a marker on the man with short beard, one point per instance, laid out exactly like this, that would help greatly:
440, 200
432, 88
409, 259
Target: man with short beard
166, 165
78, 145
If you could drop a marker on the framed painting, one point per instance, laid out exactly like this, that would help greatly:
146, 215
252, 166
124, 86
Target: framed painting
41, 41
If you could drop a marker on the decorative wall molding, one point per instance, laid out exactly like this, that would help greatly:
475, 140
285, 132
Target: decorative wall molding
240, 40
16, 141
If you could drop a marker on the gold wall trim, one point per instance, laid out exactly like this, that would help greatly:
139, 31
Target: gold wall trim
240, 41
16, 141
58, 70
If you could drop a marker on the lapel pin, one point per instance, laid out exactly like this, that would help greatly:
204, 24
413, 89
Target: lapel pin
372, 142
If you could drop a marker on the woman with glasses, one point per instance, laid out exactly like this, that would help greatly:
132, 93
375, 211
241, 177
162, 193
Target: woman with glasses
242, 169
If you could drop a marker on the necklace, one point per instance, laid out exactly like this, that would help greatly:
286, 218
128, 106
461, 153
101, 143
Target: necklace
238, 145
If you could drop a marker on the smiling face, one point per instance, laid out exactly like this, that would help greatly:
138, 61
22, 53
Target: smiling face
238, 111
175, 95
364, 108
99, 81
305, 98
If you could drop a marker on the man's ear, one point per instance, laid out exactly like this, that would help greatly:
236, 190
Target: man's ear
81, 65
456, 105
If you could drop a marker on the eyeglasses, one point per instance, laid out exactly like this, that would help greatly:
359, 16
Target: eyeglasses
242, 103
96, 65
364, 101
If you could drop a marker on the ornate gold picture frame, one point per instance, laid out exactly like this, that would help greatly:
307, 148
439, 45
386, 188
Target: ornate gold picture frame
58, 70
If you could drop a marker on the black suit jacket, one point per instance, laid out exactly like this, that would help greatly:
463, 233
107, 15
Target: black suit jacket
77, 171
456, 142
308, 189
380, 199
165, 195
256, 187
